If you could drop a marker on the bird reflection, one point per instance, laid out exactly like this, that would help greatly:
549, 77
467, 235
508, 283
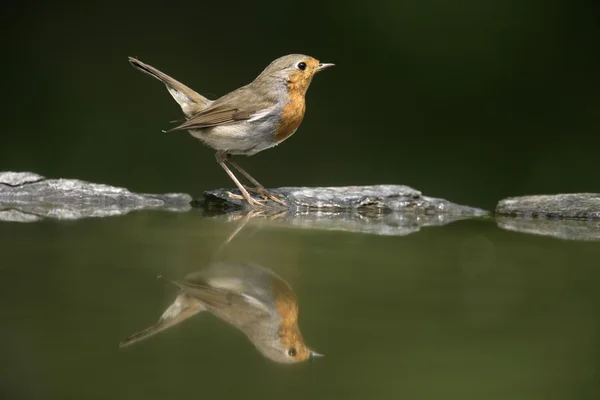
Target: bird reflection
251, 298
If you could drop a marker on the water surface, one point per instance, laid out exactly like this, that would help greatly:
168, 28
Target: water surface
465, 310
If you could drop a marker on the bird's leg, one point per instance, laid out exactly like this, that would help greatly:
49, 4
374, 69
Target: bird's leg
245, 218
221, 158
260, 189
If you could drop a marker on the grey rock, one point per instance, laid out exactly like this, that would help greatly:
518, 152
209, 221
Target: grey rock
19, 178
378, 199
584, 206
25, 196
561, 229
382, 209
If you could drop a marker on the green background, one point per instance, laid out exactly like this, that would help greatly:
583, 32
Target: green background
472, 101
469, 100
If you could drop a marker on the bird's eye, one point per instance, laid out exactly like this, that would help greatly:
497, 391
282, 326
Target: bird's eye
292, 352
301, 66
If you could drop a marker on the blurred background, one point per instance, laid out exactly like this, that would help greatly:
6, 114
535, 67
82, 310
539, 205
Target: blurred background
472, 101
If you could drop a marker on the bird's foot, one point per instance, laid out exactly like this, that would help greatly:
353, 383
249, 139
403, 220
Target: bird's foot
266, 195
252, 201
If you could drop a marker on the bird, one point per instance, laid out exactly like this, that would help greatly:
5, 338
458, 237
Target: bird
248, 120
247, 296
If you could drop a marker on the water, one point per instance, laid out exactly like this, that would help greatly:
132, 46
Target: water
465, 310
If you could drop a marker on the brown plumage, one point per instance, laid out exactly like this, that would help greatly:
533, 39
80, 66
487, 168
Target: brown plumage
247, 296
250, 119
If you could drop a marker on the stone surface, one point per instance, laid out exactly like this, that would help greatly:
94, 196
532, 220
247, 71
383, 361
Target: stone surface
358, 200
561, 228
19, 178
381, 209
559, 206
27, 197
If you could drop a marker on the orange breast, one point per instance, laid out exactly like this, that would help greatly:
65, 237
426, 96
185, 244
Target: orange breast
286, 302
287, 308
292, 113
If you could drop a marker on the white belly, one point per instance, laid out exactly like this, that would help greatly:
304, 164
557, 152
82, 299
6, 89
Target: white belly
245, 138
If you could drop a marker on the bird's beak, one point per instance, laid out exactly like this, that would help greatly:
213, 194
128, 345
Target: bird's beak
323, 66
314, 354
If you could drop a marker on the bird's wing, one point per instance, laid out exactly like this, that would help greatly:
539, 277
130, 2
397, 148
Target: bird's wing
213, 116
220, 296
206, 294
239, 105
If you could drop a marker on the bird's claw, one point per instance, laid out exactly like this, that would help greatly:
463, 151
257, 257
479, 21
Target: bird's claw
251, 200
266, 195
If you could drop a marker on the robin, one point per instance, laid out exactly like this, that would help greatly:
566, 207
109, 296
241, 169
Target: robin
250, 119
247, 296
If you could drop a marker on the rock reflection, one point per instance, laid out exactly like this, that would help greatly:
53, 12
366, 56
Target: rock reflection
386, 224
561, 229
251, 298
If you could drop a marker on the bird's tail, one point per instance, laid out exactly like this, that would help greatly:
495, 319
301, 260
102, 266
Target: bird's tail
182, 308
189, 101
